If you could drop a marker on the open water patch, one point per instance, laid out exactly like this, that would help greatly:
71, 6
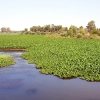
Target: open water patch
23, 81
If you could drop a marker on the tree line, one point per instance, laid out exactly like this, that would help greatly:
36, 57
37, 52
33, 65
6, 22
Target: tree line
5, 29
45, 29
8, 30
72, 31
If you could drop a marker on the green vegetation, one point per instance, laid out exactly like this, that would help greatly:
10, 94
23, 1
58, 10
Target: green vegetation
6, 60
63, 57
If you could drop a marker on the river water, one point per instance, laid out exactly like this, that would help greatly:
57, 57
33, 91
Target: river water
23, 81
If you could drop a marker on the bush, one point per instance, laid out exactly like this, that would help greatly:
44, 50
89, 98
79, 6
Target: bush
63, 34
79, 35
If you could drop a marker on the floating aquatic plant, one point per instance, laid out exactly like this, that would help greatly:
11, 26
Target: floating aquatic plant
63, 57
6, 60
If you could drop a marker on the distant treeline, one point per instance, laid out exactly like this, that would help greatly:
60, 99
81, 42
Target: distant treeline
89, 31
4, 29
8, 30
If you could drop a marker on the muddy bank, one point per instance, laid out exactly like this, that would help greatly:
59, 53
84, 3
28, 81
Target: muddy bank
12, 49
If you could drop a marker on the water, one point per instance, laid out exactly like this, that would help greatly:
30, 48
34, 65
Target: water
23, 81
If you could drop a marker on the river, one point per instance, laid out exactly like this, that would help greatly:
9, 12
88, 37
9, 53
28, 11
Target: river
23, 81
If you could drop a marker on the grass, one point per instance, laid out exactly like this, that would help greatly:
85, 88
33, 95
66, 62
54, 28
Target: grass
6, 60
62, 57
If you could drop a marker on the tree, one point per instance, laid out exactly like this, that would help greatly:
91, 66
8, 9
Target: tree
58, 28
3, 29
65, 28
25, 29
53, 28
33, 29
47, 28
96, 31
81, 30
8, 29
72, 30
91, 26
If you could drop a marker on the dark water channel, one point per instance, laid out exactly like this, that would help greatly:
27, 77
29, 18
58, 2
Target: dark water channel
23, 81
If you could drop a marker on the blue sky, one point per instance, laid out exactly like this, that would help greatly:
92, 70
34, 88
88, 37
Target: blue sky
20, 14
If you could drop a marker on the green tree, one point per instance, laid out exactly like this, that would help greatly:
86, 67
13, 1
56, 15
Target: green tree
81, 30
72, 30
91, 26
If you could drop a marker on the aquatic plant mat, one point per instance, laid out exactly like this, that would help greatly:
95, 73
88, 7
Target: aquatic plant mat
63, 57
6, 60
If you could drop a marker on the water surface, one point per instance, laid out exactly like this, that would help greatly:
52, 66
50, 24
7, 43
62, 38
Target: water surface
23, 81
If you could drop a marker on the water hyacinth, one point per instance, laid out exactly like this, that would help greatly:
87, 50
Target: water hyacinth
6, 60
63, 57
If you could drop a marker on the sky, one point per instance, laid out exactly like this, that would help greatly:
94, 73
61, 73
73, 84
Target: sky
20, 14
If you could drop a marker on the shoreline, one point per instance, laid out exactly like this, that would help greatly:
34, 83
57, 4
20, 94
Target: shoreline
12, 49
